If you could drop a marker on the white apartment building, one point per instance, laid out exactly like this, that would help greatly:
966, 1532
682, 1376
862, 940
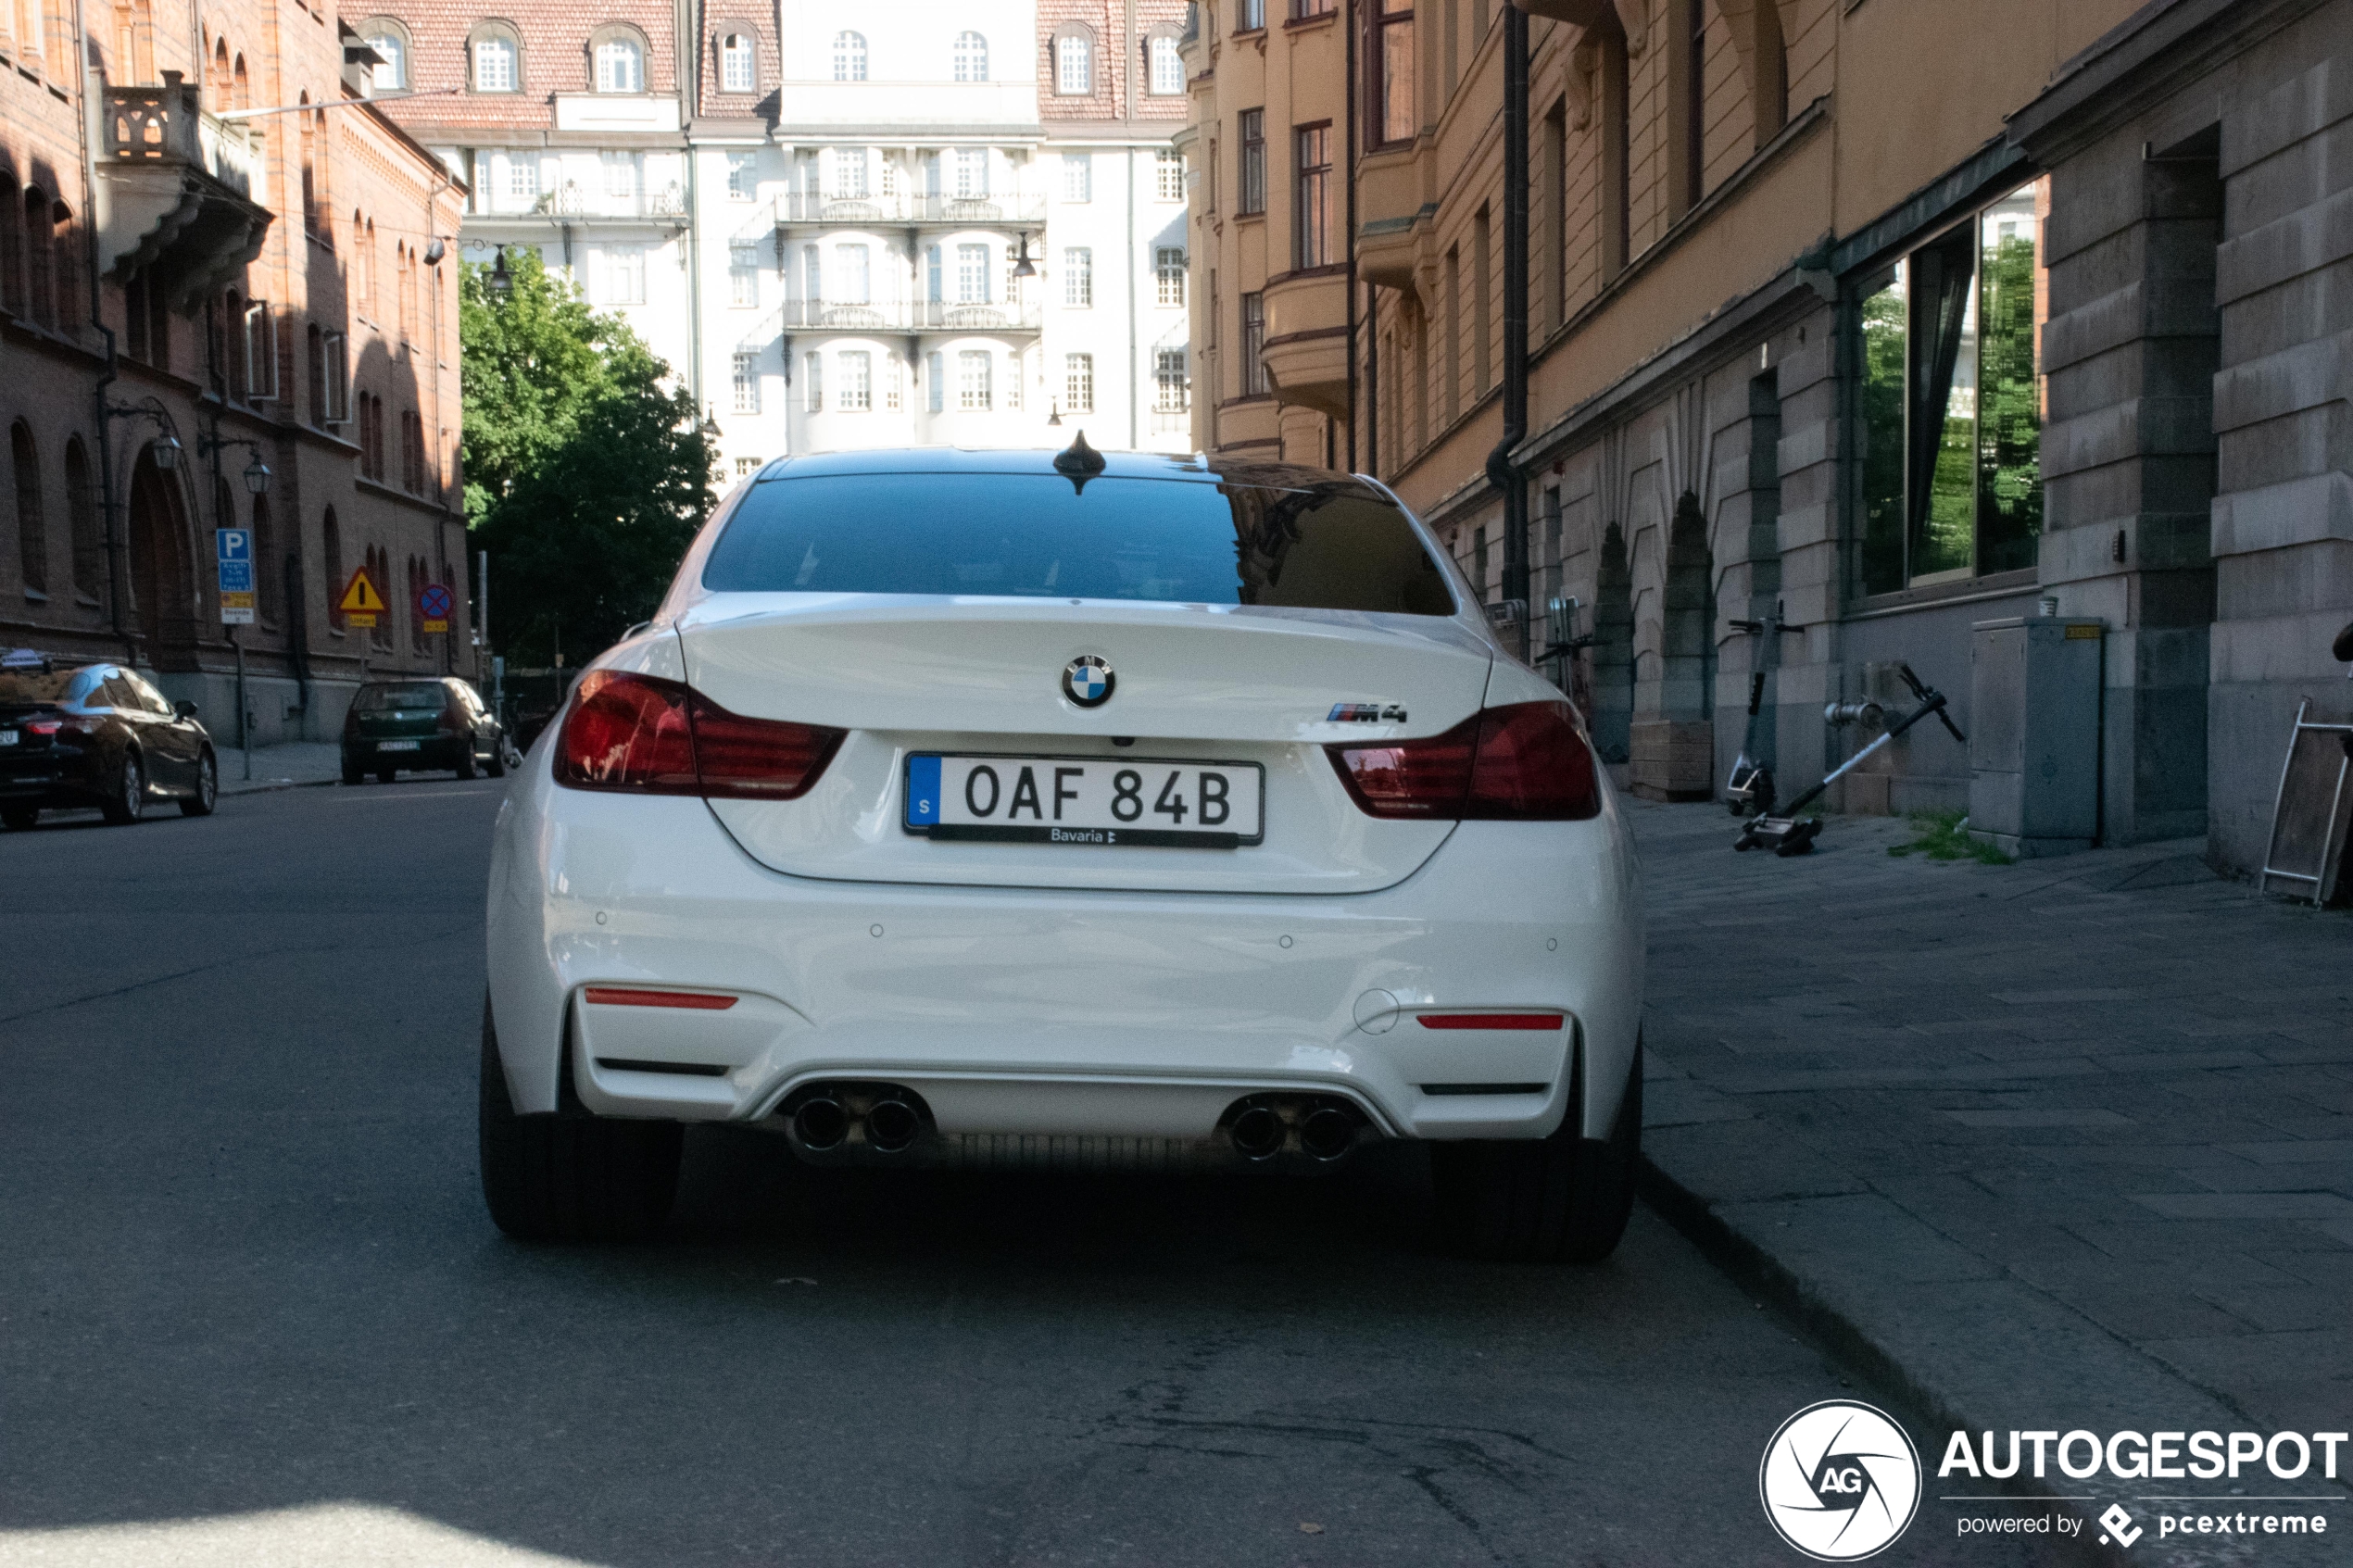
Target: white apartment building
843, 227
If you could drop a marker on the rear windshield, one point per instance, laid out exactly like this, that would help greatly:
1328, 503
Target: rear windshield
377, 699
1312, 546
22, 688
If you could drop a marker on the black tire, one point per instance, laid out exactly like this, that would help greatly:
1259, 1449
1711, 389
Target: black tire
129, 795
498, 758
1564, 1199
16, 818
467, 767
572, 1177
352, 773
386, 775
207, 792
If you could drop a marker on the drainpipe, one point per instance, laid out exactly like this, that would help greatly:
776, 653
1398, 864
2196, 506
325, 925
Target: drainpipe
1501, 471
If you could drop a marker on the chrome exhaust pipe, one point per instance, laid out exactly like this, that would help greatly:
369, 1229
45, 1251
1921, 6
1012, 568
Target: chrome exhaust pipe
1327, 1133
892, 1124
1258, 1133
820, 1122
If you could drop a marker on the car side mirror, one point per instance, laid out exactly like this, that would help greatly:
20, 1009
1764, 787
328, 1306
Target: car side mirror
184, 710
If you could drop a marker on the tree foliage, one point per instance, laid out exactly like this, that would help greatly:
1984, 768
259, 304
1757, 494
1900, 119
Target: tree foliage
586, 477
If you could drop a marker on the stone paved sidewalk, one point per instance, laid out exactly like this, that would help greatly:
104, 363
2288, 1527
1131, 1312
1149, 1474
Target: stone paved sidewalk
2056, 1144
280, 767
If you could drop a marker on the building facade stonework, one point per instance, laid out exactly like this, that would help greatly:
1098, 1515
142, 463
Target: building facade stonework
1850, 326
209, 242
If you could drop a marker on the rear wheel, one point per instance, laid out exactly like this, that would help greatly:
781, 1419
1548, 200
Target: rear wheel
15, 819
467, 768
498, 758
1565, 1199
128, 796
556, 1177
208, 791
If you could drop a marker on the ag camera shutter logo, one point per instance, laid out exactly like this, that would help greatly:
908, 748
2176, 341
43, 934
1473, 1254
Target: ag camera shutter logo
1840, 1481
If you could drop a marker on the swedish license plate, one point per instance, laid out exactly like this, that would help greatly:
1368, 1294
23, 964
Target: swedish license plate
398, 744
7, 737
1142, 802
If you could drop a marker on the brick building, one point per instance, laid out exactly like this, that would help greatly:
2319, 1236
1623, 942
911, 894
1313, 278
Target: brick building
228, 264
1865, 321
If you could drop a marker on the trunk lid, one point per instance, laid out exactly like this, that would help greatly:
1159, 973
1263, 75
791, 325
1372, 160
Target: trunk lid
911, 675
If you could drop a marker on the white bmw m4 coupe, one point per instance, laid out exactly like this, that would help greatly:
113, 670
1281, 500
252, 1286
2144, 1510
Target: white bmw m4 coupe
1000, 809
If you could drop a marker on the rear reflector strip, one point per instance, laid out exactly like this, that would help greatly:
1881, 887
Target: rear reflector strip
687, 1068
1486, 1088
622, 996
1546, 1021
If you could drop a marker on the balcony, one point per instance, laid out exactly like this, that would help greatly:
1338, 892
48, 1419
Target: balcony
809, 208
1306, 346
910, 316
573, 203
617, 111
187, 195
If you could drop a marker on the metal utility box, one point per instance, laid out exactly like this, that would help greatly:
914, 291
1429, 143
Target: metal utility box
2035, 735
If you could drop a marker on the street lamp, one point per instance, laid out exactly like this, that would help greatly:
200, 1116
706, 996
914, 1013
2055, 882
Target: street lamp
502, 282
1023, 265
165, 449
709, 429
1053, 413
258, 477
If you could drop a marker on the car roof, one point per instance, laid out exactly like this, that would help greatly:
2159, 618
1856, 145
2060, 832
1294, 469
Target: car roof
1192, 466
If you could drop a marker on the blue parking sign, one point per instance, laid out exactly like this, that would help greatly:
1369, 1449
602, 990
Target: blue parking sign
233, 552
234, 544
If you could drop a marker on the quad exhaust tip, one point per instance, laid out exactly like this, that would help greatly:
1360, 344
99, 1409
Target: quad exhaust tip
1259, 1132
892, 1124
821, 1123
1321, 1128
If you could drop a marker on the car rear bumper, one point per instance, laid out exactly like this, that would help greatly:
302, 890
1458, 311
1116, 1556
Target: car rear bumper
431, 752
1034, 1012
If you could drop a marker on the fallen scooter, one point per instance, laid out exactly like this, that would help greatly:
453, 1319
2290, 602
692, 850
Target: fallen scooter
1793, 835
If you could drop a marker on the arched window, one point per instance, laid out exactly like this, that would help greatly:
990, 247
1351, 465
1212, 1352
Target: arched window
620, 61
81, 516
971, 57
32, 527
494, 57
11, 247
41, 293
1166, 72
218, 79
1073, 62
389, 38
240, 90
310, 166
849, 56
738, 64
65, 267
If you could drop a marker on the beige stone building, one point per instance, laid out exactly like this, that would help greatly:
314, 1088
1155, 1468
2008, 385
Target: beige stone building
1860, 322
215, 259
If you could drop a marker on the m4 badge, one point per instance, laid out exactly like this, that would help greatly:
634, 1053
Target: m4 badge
1366, 714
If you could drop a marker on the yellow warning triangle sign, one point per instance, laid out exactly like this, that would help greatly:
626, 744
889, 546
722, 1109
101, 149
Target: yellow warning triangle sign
359, 596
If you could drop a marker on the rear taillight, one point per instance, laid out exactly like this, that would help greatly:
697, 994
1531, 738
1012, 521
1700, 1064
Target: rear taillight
43, 726
1526, 762
654, 736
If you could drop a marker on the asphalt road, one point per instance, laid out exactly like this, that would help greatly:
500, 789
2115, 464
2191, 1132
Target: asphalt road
252, 1312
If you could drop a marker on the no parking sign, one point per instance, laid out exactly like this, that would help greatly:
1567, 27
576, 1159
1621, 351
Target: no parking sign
432, 602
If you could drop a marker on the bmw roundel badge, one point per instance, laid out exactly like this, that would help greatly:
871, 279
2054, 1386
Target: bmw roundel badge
1088, 681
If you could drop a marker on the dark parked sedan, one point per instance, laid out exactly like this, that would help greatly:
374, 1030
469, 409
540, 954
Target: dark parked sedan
97, 735
400, 726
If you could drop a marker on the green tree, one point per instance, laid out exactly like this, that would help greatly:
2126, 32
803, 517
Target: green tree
586, 476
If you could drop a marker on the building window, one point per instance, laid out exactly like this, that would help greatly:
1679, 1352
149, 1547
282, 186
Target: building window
972, 173
934, 381
1168, 175
620, 176
261, 354
894, 383
1078, 384
1251, 128
1078, 276
853, 282
32, 524
390, 40
849, 56
972, 275
1950, 404
738, 65
812, 274
498, 61
1303, 9
747, 467
1253, 342
522, 179
1169, 274
334, 371
1250, 16
1074, 65
813, 383
620, 65
1393, 116
1167, 75
849, 172
1172, 388
1078, 177
739, 177
743, 276
932, 284
617, 275
975, 376
857, 394
746, 384
1311, 204
971, 57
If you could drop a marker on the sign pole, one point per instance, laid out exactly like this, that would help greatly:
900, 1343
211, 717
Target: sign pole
232, 553
245, 739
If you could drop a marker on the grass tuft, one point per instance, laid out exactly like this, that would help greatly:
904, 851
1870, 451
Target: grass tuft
1944, 836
